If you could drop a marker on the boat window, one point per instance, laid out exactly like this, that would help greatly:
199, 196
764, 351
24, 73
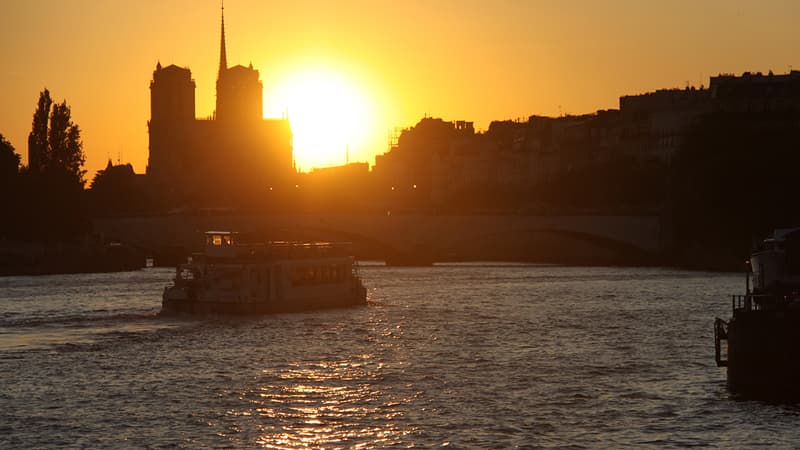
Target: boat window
793, 257
326, 273
186, 274
318, 274
218, 240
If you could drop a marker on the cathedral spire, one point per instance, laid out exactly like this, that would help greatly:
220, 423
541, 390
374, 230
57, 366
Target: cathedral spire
223, 59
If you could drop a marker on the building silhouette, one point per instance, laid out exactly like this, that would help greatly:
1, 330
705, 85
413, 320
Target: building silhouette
230, 158
445, 164
756, 92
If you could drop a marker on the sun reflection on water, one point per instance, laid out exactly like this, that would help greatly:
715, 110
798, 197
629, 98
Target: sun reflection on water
326, 404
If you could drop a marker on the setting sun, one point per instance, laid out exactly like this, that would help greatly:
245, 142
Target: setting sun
329, 114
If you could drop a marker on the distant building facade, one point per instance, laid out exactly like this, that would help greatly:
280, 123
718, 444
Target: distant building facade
756, 92
232, 155
440, 161
655, 124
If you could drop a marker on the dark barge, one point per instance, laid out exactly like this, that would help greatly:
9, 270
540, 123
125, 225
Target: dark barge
760, 344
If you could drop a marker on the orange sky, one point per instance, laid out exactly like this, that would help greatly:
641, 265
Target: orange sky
460, 59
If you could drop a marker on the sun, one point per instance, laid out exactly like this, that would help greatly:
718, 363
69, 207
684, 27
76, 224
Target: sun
331, 117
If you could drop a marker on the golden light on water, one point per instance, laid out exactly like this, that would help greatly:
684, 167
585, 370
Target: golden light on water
325, 404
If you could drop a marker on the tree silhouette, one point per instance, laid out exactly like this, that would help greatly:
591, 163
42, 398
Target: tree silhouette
37, 139
65, 146
49, 205
9, 160
9, 181
56, 149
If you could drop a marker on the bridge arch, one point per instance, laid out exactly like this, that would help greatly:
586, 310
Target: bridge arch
534, 244
552, 245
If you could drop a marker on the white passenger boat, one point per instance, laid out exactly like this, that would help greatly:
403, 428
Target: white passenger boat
234, 278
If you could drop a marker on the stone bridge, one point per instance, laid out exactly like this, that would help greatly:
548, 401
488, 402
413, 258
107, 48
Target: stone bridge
417, 238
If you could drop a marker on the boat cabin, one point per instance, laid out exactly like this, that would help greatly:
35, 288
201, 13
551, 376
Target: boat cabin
220, 244
234, 277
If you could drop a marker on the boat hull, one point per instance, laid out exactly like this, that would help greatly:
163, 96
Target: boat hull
178, 301
764, 354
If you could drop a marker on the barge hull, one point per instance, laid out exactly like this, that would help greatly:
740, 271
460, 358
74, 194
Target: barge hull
764, 354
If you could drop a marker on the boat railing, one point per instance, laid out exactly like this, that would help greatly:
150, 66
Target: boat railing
747, 302
720, 334
294, 250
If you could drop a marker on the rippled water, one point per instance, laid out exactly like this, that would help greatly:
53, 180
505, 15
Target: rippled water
468, 356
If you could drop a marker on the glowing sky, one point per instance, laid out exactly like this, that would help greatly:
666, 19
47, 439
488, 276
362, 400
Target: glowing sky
459, 59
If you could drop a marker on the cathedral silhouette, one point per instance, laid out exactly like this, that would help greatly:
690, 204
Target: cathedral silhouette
234, 156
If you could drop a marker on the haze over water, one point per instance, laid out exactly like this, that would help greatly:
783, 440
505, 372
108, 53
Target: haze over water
469, 355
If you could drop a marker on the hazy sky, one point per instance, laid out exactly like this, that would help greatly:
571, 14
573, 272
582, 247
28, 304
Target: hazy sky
395, 61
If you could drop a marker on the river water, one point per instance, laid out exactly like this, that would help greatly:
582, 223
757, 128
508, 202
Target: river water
463, 356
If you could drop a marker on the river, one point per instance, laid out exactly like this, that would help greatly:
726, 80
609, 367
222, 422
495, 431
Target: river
463, 356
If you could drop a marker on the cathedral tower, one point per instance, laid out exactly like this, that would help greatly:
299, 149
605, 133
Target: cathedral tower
171, 118
239, 90
234, 156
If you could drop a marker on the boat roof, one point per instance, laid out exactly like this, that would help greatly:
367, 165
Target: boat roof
783, 233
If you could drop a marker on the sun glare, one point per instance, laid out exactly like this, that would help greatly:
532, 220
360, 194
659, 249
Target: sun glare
330, 117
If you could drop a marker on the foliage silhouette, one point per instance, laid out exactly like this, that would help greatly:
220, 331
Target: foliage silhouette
9, 161
9, 181
65, 146
55, 146
48, 201
37, 139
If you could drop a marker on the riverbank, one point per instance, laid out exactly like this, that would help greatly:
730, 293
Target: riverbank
27, 258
